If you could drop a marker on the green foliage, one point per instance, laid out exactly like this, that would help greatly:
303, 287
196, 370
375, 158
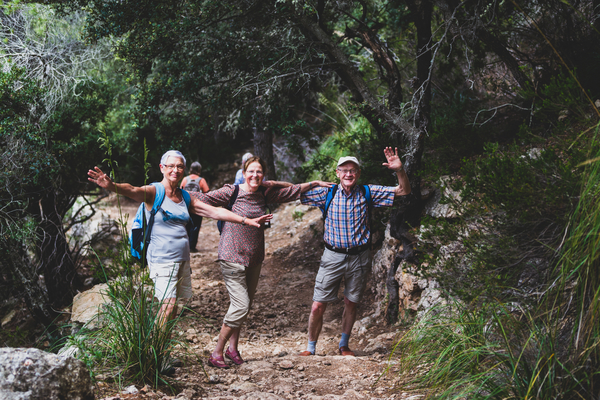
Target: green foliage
352, 135
297, 215
561, 99
489, 353
513, 208
14, 338
546, 347
452, 135
526, 186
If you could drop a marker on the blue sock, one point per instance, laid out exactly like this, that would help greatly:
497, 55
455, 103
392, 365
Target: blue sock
312, 346
344, 341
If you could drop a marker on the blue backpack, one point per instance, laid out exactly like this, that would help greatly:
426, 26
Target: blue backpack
139, 236
331, 194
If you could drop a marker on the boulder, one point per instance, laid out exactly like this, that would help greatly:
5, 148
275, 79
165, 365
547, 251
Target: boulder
87, 305
32, 374
97, 227
410, 285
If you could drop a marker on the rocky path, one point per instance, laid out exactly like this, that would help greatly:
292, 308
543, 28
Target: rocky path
277, 328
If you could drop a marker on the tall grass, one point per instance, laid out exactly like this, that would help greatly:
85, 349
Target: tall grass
502, 351
131, 344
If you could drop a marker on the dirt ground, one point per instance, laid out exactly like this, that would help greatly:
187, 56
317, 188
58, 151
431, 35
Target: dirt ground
276, 330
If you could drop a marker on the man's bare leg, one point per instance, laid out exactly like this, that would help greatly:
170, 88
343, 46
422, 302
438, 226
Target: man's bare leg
348, 319
315, 324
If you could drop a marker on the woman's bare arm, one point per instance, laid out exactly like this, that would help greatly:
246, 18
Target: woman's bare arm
142, 194
224, 214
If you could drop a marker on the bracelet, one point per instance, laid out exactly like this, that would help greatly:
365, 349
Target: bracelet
401, 169
244, 221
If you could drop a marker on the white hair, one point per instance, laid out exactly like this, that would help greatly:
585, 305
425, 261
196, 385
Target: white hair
171, 153
245, 157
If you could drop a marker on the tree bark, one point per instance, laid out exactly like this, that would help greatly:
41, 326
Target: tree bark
421, 11
263, 148
56, 263
16, 263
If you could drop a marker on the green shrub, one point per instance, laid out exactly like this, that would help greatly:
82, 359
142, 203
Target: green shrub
541, 344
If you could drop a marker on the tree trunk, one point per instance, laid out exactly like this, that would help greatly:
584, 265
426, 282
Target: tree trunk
56, 263
263, 148
421, 11
16, 263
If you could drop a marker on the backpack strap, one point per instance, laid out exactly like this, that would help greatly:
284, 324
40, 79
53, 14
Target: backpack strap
233, 197
159, 197
330, 195
232, 200
367, 193
186, 197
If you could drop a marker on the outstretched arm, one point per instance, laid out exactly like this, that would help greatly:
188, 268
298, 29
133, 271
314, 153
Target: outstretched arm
223, 214
394, 163
309, 185
141, 194
275, 184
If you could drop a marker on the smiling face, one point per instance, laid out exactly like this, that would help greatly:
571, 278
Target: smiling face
348, 174
173, 169
254, 175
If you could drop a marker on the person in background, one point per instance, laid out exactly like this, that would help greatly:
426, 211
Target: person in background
242, 250
239, 175
347, 239
194, 183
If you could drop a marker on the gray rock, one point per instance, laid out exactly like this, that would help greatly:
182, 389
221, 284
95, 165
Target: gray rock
286, 364
32, 374
376, 346
88, 304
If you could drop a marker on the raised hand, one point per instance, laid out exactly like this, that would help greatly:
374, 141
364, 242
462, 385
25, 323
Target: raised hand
393, 161
100, 178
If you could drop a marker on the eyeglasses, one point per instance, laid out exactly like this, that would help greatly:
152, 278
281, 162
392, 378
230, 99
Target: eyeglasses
348, 171
171, 167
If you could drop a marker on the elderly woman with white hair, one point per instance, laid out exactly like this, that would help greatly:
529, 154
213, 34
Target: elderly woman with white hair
168, 253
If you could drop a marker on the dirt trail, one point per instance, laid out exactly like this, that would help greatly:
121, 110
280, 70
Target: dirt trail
276, 328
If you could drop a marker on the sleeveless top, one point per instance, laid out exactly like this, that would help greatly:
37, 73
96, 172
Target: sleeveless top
169, 241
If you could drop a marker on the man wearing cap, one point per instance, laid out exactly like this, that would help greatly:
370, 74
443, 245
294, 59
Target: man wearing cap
347, 239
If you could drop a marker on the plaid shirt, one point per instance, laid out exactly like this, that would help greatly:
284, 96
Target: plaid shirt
347, 224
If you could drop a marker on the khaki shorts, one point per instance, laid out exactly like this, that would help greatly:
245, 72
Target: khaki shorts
337, 266
173, 279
